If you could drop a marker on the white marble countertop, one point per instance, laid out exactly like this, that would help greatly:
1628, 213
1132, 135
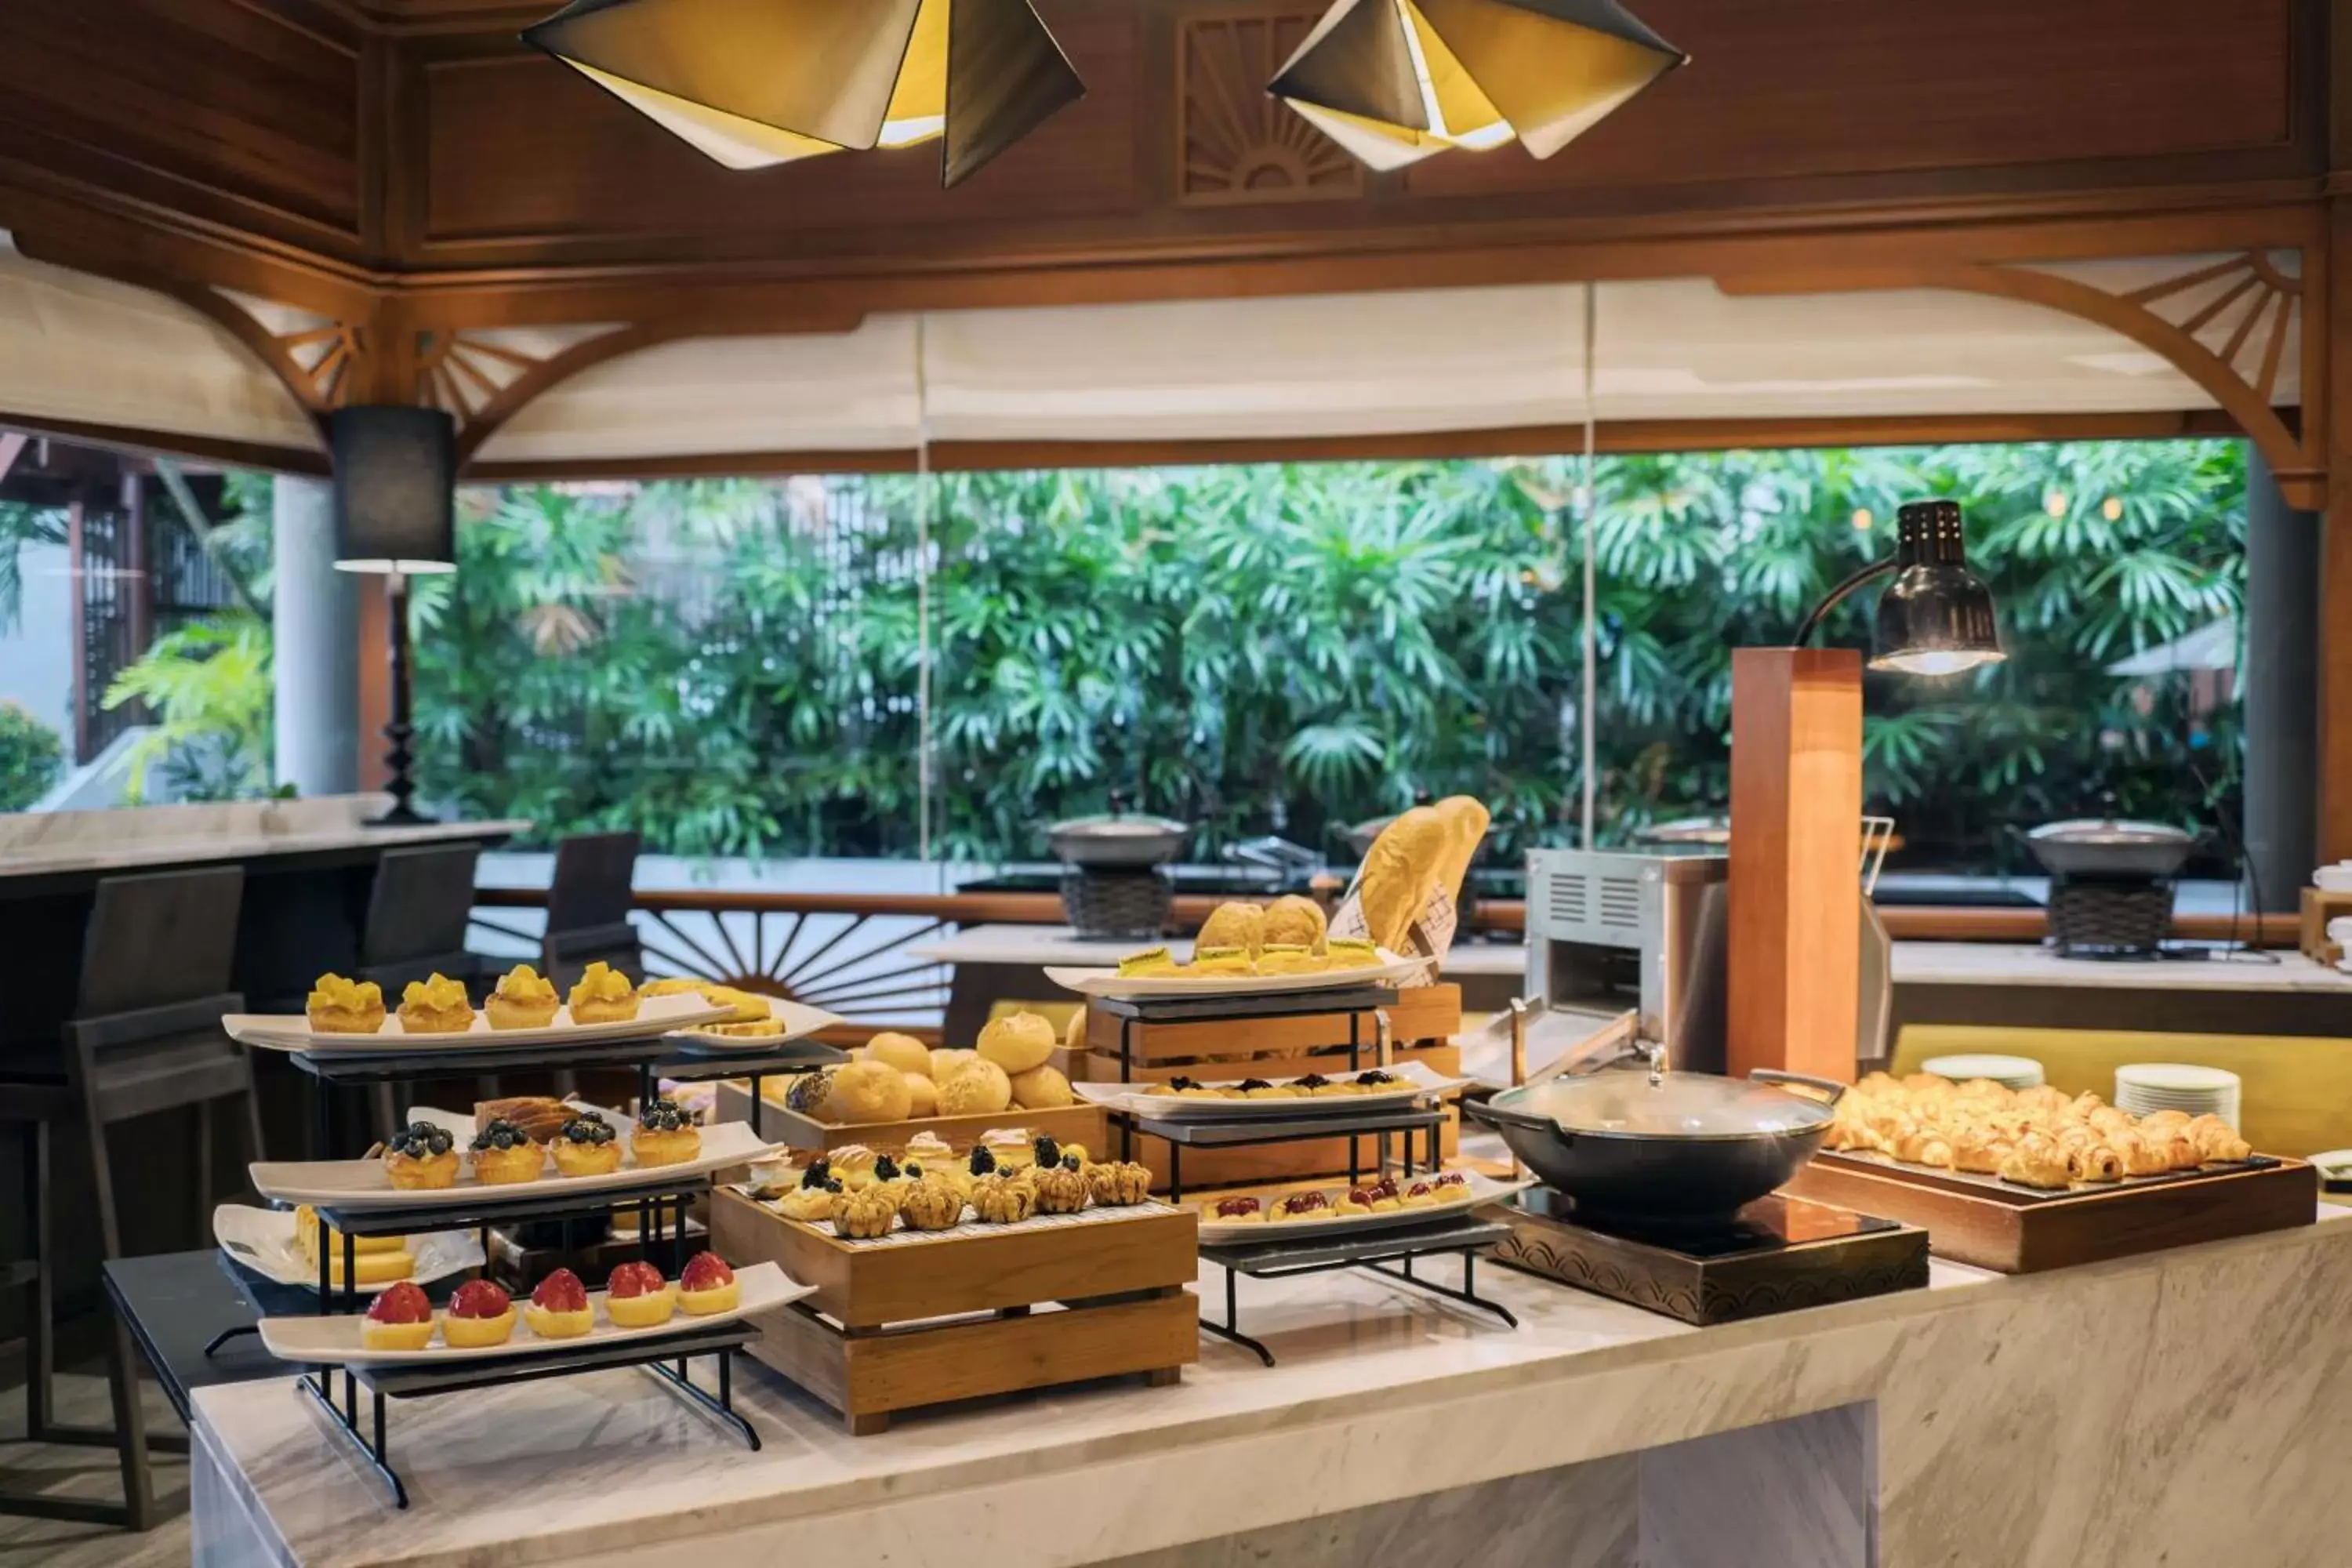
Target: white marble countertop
2016, 964
1060, 945
132, 837
1380, 1393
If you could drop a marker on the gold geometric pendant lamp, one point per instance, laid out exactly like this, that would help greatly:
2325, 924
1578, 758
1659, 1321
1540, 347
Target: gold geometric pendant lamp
1396, 80
755, 82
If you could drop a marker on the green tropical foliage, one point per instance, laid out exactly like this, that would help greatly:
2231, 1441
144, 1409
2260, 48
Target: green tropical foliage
207, 690
31, 757
21, 525
734, 668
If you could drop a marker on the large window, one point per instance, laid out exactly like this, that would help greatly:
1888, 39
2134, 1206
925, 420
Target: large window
743, 668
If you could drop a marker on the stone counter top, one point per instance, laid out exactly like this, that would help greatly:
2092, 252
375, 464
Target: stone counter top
2014, 963
151, 837
2186, 1403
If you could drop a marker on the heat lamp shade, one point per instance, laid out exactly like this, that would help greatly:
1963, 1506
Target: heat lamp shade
1395, 81
752, 83
395, 488
1936, 616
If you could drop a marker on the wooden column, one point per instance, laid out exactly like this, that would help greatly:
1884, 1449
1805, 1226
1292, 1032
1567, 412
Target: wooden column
1795, 964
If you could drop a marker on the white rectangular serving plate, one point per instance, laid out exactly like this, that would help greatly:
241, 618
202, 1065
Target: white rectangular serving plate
1109, 983
339, 1341
1483, 1190
657, 1016
799, 1022
363, 1184
263, 1240
1133, 1097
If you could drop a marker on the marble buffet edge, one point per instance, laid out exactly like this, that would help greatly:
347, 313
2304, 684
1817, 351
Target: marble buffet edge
1382, 1395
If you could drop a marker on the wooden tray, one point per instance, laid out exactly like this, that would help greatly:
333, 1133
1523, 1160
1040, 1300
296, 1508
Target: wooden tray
2016, 1232
1081, 1123
895, 1327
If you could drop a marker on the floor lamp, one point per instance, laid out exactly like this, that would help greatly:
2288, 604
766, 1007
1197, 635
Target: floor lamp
1796, 795
395, 517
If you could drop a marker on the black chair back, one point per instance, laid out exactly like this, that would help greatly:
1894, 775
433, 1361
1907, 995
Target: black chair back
418, 911
160, 939
588, 904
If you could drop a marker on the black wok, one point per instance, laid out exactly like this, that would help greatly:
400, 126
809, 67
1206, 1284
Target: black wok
1660, 1177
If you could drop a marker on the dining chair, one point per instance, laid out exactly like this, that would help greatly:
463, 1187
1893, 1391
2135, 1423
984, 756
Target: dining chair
144, 1037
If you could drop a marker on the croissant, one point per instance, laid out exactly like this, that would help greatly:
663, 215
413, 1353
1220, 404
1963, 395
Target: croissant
1980, 1149
2156, 1119
2108, 1119
2087, 1103
2142, 1156
1876, 1084
1990, 1091
2036, 1161
2216, 1140
2095, 1163
2042, 1097
2180, 1153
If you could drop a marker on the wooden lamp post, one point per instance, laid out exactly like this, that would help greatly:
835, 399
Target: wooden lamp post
1796, 795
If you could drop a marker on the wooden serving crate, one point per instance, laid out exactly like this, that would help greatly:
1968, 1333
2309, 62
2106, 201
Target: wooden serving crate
1081, 1123
898, 1325
2319, 907
2013, 1231
1422, 1024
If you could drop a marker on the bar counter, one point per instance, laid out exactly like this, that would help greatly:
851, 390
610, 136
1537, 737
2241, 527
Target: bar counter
2184, 1406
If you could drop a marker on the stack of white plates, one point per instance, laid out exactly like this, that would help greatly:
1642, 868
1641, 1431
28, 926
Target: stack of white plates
2336, 878
2144, 1086
2009, 1072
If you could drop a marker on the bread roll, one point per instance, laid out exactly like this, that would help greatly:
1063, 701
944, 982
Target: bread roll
1042, 1089
1294, 920
945, 1063
904, 1052
980, 1088
1017, 1042
863, 1093
1234, 924
923, 1094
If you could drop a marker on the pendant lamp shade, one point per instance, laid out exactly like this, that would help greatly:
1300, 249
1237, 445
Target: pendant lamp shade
1396, 80
756, 82
395, 488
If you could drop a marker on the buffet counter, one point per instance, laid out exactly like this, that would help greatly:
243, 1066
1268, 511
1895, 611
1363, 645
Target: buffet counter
2180, 1406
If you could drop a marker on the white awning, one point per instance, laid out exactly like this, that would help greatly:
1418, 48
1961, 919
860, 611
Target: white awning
80, 350
1355, 364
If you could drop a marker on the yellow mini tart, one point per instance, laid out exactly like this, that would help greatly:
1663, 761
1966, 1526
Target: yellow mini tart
559, 1308
666, 1134
603, 996
1150, 961
435, 1007
1212, 960
399, 1319
422, 1157
479, 1314
706, 1285
504, 1155
1351, 953
524, 1000
1284, 960
637, 1296
586, 1146
341, 1007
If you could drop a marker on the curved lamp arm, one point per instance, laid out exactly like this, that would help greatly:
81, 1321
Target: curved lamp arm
1839, 595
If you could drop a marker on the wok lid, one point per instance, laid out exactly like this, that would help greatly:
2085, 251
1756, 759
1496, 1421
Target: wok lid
1636, 1103
2110, 832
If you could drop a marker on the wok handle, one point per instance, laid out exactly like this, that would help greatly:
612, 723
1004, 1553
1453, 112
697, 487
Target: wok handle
1494, 1115
1829, 1085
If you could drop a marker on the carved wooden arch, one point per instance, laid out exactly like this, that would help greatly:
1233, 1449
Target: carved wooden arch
442, 374
2259, 290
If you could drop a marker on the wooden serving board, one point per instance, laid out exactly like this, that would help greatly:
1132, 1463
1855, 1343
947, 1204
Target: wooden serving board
1081, 1123
2319, 907
2023, 1233
1421, 1014
892, 1327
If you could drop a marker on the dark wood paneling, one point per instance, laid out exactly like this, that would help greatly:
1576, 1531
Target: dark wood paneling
521, 151
1781, 88
243, 111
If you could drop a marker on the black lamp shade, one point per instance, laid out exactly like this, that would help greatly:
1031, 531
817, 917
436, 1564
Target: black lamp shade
1935, 617
395, 488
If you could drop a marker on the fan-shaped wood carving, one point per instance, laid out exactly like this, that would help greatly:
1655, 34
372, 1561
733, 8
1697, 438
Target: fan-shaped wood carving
1235, 143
